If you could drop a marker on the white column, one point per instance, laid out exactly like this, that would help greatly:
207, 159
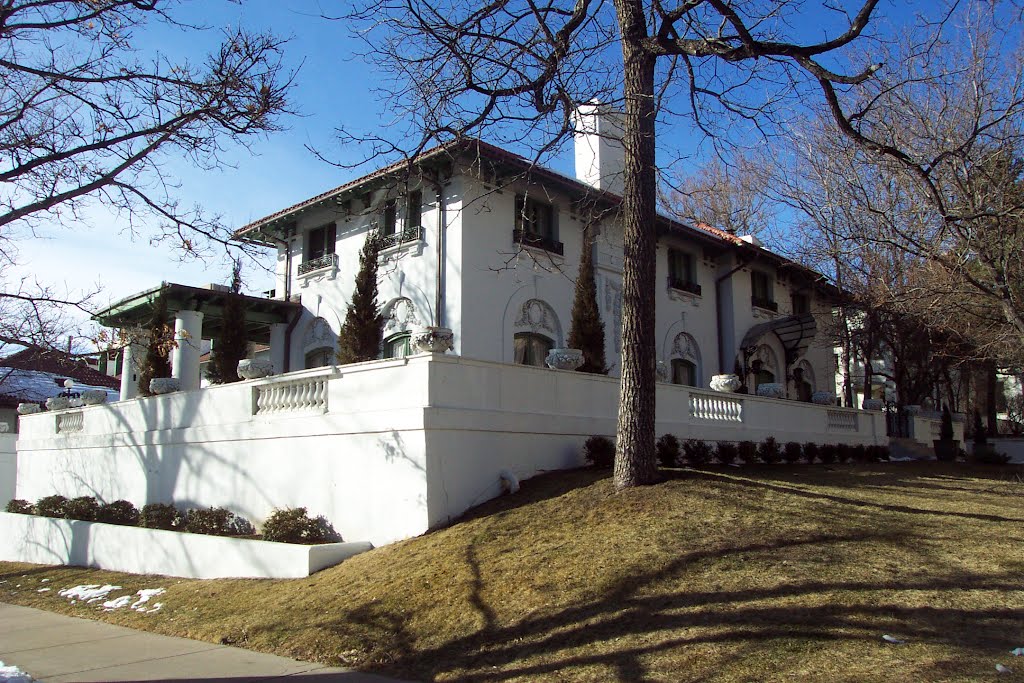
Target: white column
131, 368
188, 333
277, 338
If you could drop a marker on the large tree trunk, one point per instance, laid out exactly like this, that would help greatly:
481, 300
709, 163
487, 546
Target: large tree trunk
635, 462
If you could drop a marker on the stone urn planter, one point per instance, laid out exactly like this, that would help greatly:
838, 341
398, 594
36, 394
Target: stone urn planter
94, 397
872, 404
253, 368
28, 408
823, 398
725, 383
432, 339
164, 385
564, 359
771, 390
58, 403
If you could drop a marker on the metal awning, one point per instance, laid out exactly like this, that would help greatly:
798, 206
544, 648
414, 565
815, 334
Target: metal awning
794, 331
260, 313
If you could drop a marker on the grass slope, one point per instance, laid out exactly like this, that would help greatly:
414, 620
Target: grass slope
770, 574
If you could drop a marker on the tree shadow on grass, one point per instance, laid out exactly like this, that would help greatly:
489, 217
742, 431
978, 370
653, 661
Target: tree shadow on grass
638, 618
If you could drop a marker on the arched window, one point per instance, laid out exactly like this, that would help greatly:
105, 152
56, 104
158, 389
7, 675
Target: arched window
762, 375
532, 348
684, 372
804, 389
397, 346
321, 357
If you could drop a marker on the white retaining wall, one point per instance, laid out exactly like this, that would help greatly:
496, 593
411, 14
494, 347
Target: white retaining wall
386, 449
8, 466
42, 540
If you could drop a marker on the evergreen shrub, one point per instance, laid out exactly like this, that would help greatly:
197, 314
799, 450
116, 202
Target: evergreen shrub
698, 453
668, 451
599, 452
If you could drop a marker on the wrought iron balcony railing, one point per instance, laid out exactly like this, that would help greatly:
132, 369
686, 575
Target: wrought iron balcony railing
764, 303
683, 285
325, 261
410, 234
528, 239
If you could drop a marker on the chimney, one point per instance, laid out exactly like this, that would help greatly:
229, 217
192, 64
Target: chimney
600, 158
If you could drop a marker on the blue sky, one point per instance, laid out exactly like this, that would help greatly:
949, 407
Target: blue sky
332, 85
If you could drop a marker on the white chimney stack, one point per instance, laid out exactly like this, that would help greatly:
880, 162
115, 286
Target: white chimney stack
600, 158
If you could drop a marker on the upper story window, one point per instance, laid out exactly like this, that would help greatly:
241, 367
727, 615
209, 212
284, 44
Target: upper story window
390, 217
682, 271
318, 251
801, 304
531, 348
535, 225
762, 290
414, 209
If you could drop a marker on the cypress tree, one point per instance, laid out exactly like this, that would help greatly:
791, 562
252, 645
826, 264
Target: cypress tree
360, 335
586, 329
233, 343
157, 362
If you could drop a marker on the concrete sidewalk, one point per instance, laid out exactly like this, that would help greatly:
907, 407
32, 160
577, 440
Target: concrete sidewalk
54, 647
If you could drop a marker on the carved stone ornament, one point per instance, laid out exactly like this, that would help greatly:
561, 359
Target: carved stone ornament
94, 397
4, 427
58, 403
564, 359
164, 385
254, 368
872, 404
28, 408
725, 383
823, 398
771, 390
536, 315
432, 339
402, 317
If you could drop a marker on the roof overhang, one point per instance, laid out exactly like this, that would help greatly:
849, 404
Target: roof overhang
260, 313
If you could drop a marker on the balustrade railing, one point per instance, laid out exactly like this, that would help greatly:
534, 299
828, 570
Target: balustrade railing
716, 408
301, 395
70, 422
842, 421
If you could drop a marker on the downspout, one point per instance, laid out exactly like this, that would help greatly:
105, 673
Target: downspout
286, 366
439, 280
719, 325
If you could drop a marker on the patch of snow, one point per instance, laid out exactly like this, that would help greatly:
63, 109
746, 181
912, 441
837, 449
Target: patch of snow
88, 592
1017, 652
1003, 669
892, 639
138, 605
43, 580
42, 590
117, 603
12, 674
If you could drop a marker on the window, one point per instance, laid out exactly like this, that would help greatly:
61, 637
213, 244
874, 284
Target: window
397, 346
761, 287
684, 372
801, 304
682, 273
535, 225
532, 348
761, 374
804, 390
414, 210
390, 217
320, 241
321, 357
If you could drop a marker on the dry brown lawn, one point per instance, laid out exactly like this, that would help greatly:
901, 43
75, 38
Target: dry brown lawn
723, 574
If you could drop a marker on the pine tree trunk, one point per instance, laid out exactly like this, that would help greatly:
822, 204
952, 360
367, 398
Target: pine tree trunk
635, 463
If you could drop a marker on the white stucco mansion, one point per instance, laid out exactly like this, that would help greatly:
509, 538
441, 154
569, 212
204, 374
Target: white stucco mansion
483, 242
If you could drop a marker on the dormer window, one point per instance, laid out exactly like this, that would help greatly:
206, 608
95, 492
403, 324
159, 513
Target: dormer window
682, 271
762, 290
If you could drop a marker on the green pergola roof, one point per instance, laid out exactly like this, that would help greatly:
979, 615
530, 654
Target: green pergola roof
260, 313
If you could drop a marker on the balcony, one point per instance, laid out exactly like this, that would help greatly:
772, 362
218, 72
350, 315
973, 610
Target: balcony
395, 239
319, 263
682, 285
528, 239
767, 304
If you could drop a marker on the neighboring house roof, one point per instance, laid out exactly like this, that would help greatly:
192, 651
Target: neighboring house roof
267, 229
34, 375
